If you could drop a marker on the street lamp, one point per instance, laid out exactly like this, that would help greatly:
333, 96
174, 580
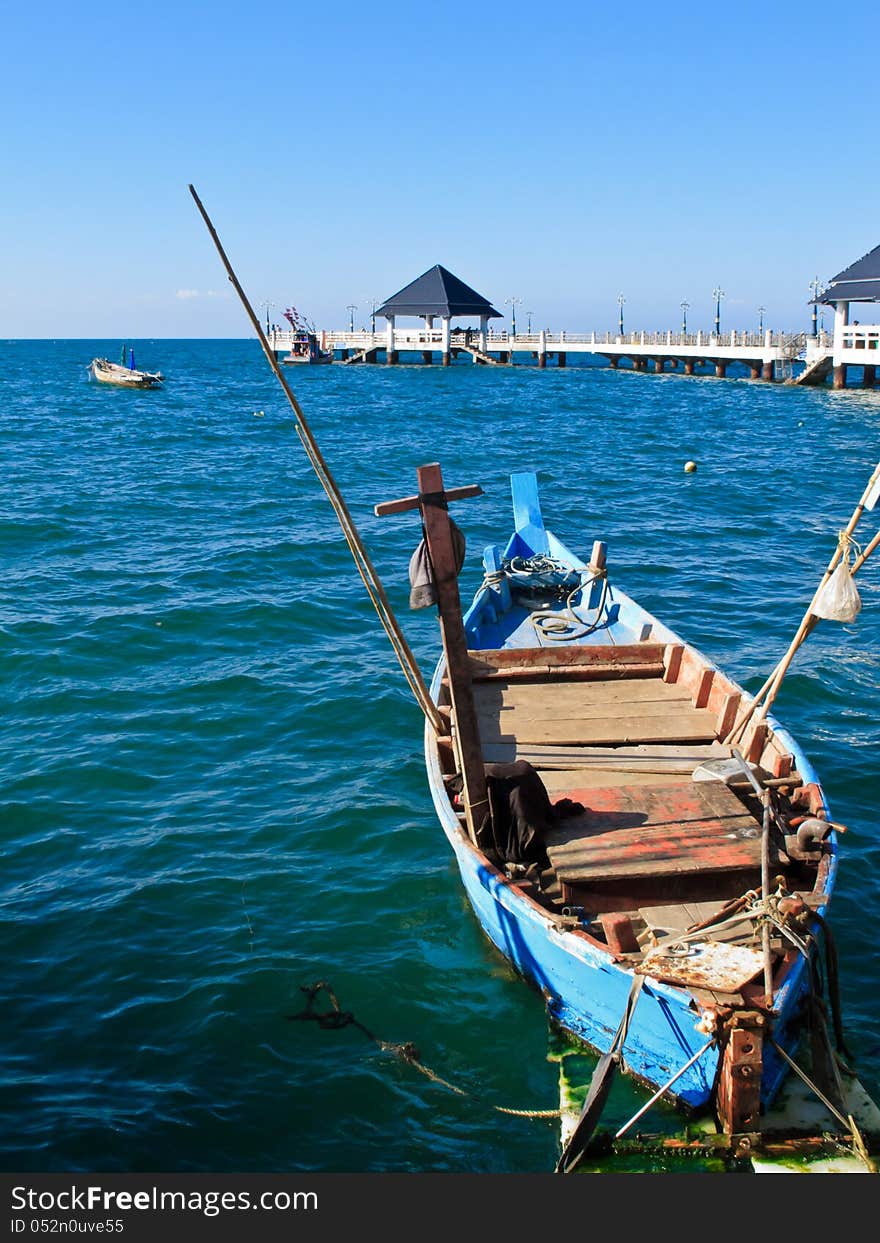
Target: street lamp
718, 294
815, 289
684, 317
761, 310
620, 302
530, 314
374, 302
267, 305
512, 303
351, 308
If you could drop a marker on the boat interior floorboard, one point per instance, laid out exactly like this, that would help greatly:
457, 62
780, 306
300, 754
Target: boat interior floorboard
635, 831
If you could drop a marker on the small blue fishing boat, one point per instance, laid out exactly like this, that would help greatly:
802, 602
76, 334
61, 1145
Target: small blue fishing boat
664, 888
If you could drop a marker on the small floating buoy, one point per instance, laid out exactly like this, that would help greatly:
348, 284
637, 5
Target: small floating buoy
801, 423
690, 467
258, 414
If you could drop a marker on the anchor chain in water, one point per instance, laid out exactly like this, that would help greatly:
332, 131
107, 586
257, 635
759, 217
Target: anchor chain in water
336, 1018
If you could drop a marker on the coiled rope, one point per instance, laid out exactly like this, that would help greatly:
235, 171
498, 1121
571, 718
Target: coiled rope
336, 1018
553, 625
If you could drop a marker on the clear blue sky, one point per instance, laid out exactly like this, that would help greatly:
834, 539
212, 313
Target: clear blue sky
560, 154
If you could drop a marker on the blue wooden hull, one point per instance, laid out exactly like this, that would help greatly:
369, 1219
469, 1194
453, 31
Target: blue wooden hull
584, 988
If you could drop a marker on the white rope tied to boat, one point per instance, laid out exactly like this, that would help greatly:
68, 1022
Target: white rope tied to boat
754, 911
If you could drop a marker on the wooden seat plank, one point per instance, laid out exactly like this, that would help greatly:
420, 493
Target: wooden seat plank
560, 655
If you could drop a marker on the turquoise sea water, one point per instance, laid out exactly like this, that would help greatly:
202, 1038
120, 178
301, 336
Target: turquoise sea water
211, 780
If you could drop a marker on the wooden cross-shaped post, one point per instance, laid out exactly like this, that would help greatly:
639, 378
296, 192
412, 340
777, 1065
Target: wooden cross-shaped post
432, 502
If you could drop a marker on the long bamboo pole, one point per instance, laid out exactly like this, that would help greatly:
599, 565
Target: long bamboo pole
361, 557
764, 698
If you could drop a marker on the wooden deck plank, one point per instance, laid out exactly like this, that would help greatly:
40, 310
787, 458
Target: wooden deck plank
580, 694
551, 710
686, 752
558, 780
698, 725
682, 758
631, 832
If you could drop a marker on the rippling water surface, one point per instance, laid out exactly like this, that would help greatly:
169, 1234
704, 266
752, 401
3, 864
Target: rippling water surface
211, 781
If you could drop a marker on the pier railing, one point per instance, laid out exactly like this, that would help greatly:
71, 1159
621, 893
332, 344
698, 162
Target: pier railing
861, 337
424, 338
789, 345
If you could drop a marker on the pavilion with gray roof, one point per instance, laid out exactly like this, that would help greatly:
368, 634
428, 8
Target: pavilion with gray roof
437, 294
855, 343
860, 282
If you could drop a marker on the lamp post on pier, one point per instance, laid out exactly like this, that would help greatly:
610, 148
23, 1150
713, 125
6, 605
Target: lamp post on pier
620, 302
684, 317
718, 294
512, 303
761, 310
529, 315
374, 302
267, 305
815, 289
351, 308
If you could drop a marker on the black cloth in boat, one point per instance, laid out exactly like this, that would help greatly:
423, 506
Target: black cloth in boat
521, 812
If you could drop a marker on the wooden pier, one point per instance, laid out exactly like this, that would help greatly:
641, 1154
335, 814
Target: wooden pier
767, 356
438, 296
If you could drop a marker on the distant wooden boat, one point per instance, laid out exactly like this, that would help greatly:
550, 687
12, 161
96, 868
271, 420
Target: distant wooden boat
304, 348
106, 372
666, 891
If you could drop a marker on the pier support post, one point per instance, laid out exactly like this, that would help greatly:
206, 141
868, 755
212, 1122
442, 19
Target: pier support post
392, 358
561, 359
542, 348
613, 362
840, 376
870, 377
427, 357
754, 371
542, 360
689, 366
445, 358
768, 371
658, 365
721, 369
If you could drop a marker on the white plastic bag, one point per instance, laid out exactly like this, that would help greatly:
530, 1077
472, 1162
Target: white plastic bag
839, 599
